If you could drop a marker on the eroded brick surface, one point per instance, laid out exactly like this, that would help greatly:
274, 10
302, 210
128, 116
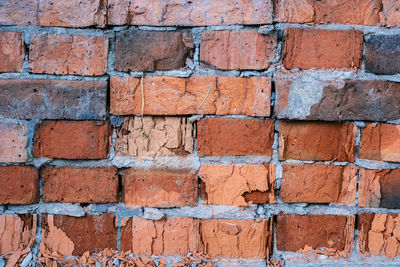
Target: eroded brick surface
154, 137
72, 139
163, 188
390, 14
381, 54
322, 49
13, 142
380, 142
379, 188
80, 185
318, 183
246, 137
53, 99
237, 49
236, 238
192, 13
165, 95
12, 51
65, 235
68, 54
239, 185
300, 232
379, 234
317, 141
138, 50
167, 237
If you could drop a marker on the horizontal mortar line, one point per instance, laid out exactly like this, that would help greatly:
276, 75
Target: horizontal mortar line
38, 76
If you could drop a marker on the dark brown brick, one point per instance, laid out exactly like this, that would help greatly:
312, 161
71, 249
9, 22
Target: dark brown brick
382, 53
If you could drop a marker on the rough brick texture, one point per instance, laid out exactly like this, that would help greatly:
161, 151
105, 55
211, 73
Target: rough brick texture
137, 50
380, 142
12, 51
180, 96
246, 137
53, 99
238, 49
318, 183
19, 185
332, 232
317, 141
72, 139
379, 188
239, 185
66, 235
163, 188
80, 185
322, 49
68, 54
163, 136
306, 98
13, 142
381, 52
189, 13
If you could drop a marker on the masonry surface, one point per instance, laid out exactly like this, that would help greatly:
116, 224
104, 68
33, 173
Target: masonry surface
199, 133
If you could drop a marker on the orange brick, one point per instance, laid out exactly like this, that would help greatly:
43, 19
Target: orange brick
12, 51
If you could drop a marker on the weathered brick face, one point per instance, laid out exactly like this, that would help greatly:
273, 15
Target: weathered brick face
13, 142
12, 51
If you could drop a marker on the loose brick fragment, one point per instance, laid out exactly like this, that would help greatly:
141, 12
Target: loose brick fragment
379, 188
189, 13
380, 142
19, 185
317, 141
138, 50
239, 185
156, 136
72, 139
390, 14
332, 232
221, 136
17, 233
322, 49
12, 51
163, 188
13, 142
236, 238
381, 54
238, 49
318, 183
364, 12
195, 95
379, 234
65, 235
68, 54
80, 185
53, 99
167, 237
306, 98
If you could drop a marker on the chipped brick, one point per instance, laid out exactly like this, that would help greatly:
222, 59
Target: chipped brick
13, 142
12, 51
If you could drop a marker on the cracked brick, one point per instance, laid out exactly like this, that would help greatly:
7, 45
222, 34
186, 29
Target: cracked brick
12, 51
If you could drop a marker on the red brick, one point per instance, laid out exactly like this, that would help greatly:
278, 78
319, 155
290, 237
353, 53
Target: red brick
66, 235
379, 188
12, 51
13, 142
364, 12
180, 96
380, 142
236, 238
223, 136
239, 185
19, 185
72, 139
238, 49
192, 13
68, 54
318, 183
390, 15
80, 185
167, 237
163, 188
317, 141
322, 49
300, 232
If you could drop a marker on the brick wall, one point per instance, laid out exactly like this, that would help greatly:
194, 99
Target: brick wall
232, 133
